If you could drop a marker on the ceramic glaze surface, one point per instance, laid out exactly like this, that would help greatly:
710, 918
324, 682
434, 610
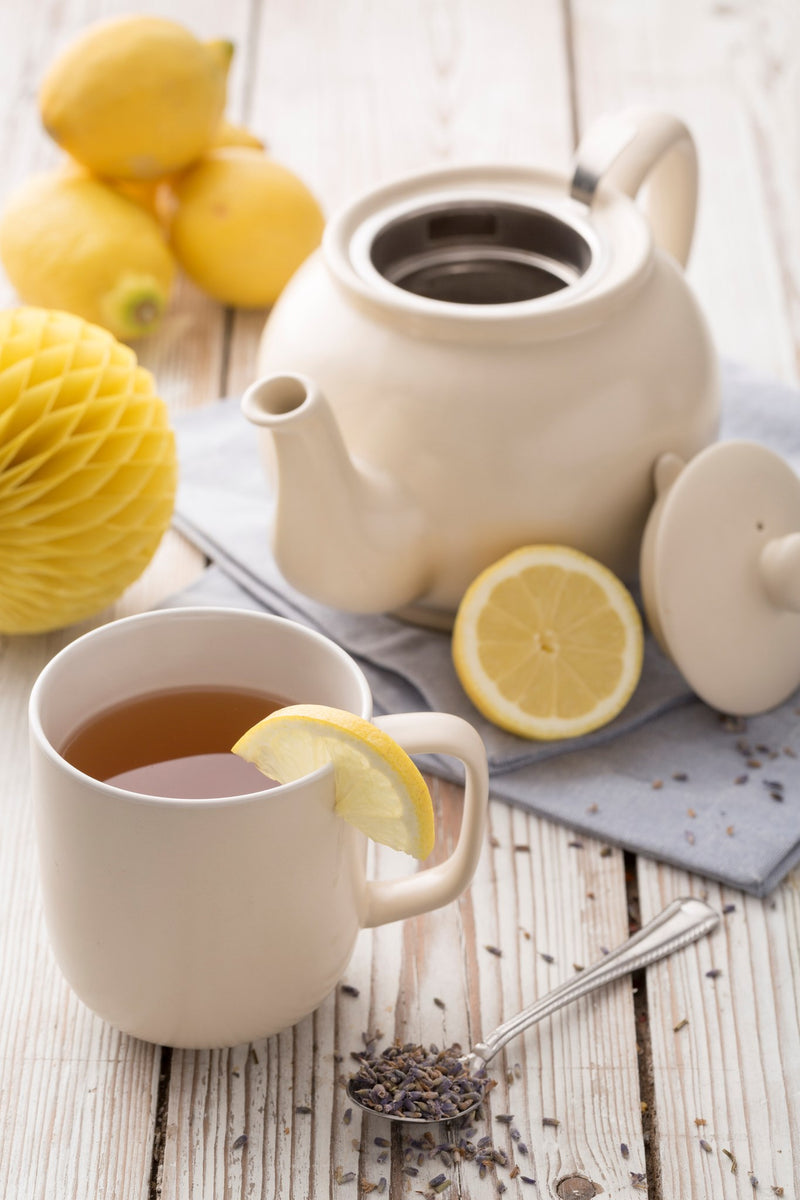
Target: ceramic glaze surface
212, 922
463, 430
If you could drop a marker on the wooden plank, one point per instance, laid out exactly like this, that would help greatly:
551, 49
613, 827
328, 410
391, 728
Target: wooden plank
730, 1076
725, 70
77, 1099
732, 1065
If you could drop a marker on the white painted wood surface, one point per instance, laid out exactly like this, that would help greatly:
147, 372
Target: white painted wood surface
348, 94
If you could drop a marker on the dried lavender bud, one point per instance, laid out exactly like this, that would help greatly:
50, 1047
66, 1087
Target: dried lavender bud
734, 1165
412, 1083
349, 990
240, 1141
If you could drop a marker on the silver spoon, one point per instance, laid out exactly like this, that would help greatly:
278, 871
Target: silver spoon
681, 922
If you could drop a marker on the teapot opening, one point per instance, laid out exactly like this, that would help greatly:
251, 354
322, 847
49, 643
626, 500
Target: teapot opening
472, 252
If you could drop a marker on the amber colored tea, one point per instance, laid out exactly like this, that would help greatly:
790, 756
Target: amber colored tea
175, 742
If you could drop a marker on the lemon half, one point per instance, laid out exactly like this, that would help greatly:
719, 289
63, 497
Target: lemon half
378, 787
548, 643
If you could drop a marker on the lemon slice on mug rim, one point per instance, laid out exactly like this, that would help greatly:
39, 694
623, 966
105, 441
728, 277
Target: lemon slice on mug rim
378, 787
548, 643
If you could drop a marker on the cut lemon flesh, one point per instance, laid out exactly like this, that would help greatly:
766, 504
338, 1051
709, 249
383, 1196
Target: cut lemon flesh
548, 643
378, 787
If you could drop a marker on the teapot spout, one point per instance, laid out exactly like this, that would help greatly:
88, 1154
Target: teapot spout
343, 533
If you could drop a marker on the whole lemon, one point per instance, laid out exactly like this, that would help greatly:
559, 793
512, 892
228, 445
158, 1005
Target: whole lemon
68, 241
242, 225
145, 192
87, 469
136, 97
229, 133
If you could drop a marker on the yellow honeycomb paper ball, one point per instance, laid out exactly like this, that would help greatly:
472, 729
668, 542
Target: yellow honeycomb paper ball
87, 469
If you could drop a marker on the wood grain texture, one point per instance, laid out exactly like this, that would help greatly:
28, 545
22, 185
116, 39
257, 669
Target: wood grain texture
76, 1097
729, 70
348, 95
433, 979
724, 69
726, 1047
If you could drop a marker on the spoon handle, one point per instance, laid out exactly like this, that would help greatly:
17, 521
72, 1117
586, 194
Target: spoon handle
681, 922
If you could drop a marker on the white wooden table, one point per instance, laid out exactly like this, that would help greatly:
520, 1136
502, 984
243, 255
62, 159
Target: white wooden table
686, 1087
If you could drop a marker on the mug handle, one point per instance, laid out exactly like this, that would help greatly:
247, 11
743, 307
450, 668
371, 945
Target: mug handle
639, 144
435, 733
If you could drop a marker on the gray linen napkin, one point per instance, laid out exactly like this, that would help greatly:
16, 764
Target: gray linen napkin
668, 778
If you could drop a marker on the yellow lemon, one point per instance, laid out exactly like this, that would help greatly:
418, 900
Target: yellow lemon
87, 469
136, 97
67, 241
378, 787
548, 643
242, 226
144, 192
228, 133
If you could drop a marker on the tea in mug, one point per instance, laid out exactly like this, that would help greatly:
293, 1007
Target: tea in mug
176, 742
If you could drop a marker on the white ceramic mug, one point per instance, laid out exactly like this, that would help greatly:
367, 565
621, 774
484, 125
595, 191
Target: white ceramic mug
202, 923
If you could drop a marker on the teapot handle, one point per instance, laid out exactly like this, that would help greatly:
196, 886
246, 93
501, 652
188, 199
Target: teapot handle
625, 150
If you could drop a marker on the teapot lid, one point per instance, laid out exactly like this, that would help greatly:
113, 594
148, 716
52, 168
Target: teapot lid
720, 574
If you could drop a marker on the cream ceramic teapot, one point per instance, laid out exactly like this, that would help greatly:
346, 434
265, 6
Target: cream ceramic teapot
480, 358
